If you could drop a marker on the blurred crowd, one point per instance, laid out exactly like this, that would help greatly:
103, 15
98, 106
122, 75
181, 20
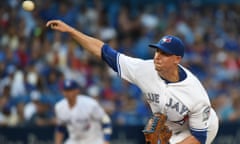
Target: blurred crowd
35, 60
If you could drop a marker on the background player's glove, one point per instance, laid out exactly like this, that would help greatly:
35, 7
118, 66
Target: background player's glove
156, 131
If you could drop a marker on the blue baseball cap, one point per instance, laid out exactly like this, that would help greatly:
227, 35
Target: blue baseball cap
70, 85
170, 45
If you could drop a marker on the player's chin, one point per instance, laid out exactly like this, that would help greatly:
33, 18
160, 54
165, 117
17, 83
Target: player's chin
157, 68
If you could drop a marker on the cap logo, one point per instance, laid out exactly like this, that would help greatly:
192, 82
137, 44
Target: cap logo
166, 39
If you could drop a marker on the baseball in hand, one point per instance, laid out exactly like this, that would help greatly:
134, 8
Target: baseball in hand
28, 5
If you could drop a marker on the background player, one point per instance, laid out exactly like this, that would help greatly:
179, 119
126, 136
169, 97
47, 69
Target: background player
169, 88
86, 121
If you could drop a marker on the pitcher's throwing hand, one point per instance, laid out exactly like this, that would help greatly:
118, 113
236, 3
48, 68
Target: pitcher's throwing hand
58, 25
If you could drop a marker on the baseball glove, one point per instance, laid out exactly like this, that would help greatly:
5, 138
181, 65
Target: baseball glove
156, 131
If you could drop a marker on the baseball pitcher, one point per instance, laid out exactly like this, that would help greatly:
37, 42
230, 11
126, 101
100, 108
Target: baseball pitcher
169, 88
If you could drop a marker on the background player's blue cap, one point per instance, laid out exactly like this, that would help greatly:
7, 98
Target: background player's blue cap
170, 45
70, 85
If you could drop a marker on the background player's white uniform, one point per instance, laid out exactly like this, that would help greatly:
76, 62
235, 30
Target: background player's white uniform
186, 103
83, 121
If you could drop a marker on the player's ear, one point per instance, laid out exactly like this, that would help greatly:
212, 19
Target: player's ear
78, 90
177, 60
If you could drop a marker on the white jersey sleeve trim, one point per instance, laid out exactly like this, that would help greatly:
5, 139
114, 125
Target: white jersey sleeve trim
194, 129
118, 65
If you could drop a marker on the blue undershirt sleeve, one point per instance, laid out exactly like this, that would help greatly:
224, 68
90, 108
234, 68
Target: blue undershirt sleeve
109, 55
200, 135
107, 135
107, 128
61, 128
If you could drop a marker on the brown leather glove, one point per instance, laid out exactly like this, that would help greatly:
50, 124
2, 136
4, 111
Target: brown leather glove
156, 131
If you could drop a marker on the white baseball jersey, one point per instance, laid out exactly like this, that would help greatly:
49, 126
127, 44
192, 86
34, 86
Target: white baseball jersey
185, 103
83, 121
